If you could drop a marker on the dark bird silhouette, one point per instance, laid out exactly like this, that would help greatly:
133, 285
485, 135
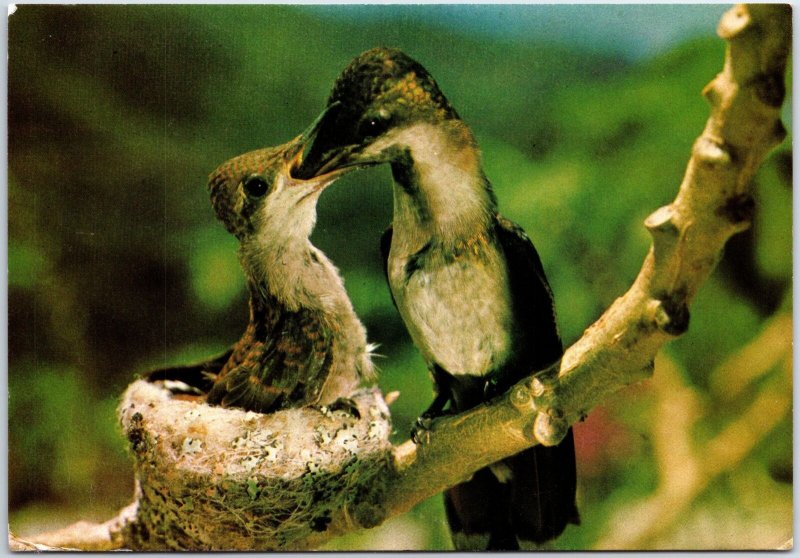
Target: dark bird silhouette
304, 343
467, 282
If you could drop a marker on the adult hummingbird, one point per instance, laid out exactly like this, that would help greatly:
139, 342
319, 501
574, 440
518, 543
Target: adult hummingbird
467, 282
304, 343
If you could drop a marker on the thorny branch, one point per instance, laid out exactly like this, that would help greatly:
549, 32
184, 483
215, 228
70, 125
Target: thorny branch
714, 202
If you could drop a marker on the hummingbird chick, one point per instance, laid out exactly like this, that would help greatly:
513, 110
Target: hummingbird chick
304, 343
467, 282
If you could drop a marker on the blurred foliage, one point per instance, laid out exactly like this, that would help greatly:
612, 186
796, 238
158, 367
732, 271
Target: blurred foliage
116, 263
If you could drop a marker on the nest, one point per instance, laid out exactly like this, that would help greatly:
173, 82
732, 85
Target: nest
210, 478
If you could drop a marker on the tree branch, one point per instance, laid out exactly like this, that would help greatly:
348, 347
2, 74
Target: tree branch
250, 512
714, 203
83, 535
686, 470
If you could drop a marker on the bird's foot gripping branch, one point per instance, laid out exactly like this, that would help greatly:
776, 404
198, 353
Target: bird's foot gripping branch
714, 202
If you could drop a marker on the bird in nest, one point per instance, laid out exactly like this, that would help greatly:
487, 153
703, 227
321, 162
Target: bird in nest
304, 344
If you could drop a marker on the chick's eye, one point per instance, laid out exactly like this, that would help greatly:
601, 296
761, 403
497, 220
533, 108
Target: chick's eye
255, 186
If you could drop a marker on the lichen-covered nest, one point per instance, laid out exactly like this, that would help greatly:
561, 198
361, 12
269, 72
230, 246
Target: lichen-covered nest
210, 478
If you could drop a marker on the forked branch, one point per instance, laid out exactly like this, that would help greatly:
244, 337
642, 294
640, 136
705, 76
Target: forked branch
714, 203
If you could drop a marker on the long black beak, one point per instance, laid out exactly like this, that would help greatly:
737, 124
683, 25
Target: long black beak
323, 142
311, 133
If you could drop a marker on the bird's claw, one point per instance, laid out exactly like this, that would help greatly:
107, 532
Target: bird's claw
421, 431
490, 388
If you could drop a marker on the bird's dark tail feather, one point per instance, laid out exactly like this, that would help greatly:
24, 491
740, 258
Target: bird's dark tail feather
198, 375
535, 504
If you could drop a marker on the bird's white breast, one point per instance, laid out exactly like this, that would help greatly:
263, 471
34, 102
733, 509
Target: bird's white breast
458, 312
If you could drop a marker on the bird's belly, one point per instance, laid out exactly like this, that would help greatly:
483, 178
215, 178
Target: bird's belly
458, 315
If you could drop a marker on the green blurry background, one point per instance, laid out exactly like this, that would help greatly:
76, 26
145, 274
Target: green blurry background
586, 117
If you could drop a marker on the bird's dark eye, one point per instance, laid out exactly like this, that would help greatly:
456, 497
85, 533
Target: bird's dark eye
375, 125
255, 186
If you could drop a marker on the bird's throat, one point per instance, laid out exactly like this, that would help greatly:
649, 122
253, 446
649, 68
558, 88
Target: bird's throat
440, 189
296, 275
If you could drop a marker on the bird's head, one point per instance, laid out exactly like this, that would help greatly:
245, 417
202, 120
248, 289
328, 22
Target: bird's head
378, 97
256, 193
